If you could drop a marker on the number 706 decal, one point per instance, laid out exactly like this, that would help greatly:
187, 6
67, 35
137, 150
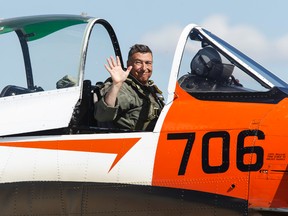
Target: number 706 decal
225, 136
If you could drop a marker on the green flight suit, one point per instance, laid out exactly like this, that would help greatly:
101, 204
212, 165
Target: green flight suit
137, 106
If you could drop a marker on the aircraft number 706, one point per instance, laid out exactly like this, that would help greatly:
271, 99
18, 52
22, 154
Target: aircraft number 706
225, 136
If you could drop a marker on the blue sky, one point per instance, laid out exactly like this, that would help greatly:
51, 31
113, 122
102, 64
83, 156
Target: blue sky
258, 28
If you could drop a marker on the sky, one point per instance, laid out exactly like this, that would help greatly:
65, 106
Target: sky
256, 27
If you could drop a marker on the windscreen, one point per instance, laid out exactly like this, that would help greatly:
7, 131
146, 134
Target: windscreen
54, 55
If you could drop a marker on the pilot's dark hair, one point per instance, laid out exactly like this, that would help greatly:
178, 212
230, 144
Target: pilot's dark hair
138, 48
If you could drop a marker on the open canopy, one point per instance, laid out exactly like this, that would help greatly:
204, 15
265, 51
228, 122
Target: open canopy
36, 27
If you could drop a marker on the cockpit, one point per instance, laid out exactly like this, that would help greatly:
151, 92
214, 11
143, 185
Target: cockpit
209, 73
209, 64
43, 59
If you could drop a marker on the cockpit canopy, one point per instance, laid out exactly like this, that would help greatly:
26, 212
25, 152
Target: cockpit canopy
211, 64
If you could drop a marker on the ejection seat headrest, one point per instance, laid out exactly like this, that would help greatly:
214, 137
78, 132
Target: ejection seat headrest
207, 63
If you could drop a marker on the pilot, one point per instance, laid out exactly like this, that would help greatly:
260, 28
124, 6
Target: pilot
130, 99
207, 71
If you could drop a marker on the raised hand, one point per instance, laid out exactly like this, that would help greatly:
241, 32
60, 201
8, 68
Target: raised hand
118, 75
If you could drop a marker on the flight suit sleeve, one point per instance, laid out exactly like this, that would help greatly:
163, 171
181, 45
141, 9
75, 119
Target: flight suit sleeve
103, 112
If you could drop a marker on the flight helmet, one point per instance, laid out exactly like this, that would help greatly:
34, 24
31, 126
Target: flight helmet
207, 63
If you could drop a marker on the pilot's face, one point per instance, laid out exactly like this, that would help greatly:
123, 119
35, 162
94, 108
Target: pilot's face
142, 65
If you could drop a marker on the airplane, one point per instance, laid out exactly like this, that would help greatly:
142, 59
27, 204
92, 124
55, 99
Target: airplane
219, 146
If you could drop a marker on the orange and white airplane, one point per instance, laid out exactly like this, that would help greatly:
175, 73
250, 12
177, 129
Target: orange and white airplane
219, 146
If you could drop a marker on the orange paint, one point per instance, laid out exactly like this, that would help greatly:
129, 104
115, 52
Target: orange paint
230, 120
113, 146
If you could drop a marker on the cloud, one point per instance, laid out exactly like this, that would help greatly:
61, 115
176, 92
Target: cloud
163, 40
281, 46
244, 37
269, 52
272, 53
